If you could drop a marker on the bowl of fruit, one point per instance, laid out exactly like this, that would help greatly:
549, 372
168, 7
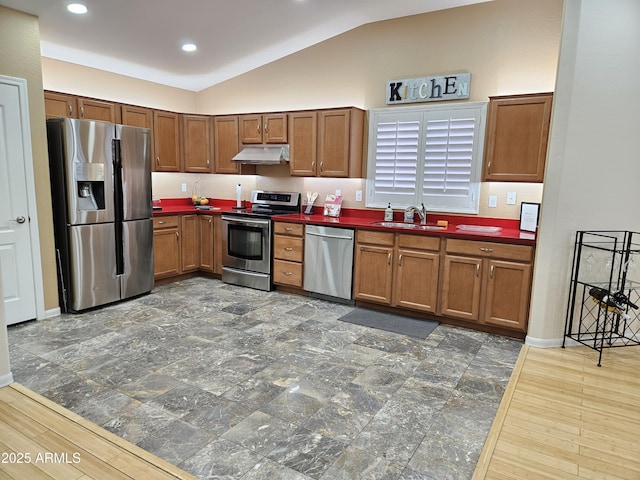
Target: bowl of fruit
198, 201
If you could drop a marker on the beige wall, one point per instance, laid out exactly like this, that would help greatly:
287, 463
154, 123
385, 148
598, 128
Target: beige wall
89, 82
592, 165
20, 57
508, 46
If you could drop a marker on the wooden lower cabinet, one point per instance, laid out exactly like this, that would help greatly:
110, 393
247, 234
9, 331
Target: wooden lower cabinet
207, 242
190, 247
487, 282
373, 279
217, 249
417, 280
508, 292
397, 269
166, 246
288, 254
211, 243
461, 287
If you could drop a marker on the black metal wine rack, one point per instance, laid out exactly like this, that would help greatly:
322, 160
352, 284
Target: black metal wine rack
602, 310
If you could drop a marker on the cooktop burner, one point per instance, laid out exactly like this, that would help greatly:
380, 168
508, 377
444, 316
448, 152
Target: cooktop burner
268, 204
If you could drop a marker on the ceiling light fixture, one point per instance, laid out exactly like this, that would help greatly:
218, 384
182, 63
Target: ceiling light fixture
77, 8
189, 47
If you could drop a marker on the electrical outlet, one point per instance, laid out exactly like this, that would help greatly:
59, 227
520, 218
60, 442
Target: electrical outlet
511, 198
493, 201
184, 187
358, 195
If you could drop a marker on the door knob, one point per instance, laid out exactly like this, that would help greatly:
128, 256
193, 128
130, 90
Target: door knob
21, 219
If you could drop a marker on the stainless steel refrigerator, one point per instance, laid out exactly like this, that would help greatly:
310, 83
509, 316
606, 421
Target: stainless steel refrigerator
101, 200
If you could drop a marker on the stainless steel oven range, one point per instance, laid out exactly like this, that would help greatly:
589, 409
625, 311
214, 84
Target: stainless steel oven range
247, 238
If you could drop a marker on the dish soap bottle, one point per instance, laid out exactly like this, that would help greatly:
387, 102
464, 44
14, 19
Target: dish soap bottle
388, 214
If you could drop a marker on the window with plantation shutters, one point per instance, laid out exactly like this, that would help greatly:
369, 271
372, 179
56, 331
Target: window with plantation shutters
427, 154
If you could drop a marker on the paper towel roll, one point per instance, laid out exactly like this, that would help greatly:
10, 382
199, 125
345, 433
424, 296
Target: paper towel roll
239, 196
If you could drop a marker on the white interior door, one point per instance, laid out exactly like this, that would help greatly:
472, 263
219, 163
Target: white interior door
15, 233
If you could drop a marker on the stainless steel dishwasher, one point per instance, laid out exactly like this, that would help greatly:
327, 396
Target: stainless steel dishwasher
328, 261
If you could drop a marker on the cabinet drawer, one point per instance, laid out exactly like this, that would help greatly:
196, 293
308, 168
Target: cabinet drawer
166, 222
419, 242
287, 273
288, 248
376, 238
295, 229
521, 253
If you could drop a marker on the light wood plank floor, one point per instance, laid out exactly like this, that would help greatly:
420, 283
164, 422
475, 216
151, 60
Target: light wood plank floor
563, 417
52, 442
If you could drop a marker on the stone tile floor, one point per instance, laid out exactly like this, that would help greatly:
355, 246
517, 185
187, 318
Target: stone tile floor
228, 382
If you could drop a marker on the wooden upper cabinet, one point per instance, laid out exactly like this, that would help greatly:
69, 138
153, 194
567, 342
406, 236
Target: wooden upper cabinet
59, 105
226, 144
90, 109
140, 117
268, 128
137, 116
303, 143
517, 136
196, 131
166, 135
340, 142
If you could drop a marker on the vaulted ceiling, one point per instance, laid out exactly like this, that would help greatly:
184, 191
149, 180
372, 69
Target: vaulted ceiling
143, 38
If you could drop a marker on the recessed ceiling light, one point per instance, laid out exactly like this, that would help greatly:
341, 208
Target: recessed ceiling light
77, 8
189, 47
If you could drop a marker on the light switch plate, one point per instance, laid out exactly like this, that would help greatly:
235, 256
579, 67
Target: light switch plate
493, 201
184, 187
358, 195
511, 198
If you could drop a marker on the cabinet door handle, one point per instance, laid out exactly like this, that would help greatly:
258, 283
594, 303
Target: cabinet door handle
266, 127
161, 223
400, 260
389, 259
484, 249
477, 270
157, 161
491, 271
81, 112
177, 236
288, 229
489, 167
208, 163
288, 249
70, 110
288, 273
313, 165
210, 220
321, 166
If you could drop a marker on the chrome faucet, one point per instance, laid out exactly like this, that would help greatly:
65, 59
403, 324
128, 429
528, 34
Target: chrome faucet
410, 211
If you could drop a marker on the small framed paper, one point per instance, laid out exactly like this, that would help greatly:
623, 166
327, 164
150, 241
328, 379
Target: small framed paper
529, 216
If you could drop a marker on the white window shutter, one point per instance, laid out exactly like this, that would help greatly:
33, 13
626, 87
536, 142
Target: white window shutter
427, 154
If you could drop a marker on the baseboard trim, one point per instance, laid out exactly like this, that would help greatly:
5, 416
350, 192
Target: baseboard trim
543, 342
6, 379
54, 312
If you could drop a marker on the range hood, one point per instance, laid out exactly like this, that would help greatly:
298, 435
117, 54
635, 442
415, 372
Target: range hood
263, 155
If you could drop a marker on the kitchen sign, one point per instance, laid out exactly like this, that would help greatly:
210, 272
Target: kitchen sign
429, 89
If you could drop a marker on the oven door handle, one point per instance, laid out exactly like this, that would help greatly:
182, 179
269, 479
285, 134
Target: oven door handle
245, 221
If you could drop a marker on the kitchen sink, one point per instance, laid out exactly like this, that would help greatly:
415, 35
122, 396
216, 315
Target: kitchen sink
408, 226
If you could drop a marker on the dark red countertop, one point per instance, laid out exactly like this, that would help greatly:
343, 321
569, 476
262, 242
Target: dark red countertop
355, 218
362, 218
182, 206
